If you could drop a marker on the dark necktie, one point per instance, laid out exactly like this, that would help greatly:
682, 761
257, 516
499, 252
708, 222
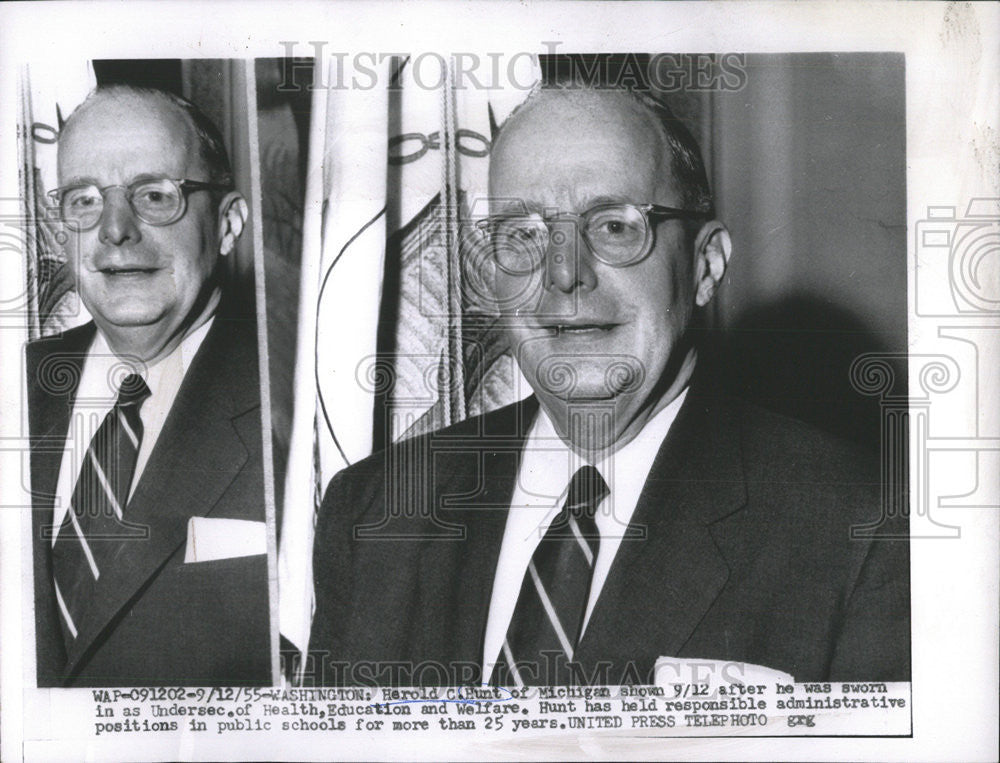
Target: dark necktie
94, 529
548, 617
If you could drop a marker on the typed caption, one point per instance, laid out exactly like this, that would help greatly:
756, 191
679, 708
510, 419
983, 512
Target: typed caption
714, 706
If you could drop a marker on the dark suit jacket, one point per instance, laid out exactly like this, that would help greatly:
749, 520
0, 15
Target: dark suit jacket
159, 621
746, 555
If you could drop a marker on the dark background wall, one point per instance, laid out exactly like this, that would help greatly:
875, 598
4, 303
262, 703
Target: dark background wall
808, 161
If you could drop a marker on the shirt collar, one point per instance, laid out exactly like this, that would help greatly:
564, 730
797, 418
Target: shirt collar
544, 469
172, 366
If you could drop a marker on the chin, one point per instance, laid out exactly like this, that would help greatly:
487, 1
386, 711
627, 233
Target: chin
595, 392
602, 379
128, 318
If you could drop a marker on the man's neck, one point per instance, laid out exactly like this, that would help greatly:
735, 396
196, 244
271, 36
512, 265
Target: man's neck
595, 430
150, 347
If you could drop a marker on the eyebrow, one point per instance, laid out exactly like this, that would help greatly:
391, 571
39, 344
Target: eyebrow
593, 201
89, 180
517, 205
84, 180
589, 202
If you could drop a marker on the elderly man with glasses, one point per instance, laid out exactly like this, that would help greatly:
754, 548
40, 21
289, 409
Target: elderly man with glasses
146, 475
625, 511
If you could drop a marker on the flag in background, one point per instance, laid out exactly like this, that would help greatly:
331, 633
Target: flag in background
403, 341
49, 93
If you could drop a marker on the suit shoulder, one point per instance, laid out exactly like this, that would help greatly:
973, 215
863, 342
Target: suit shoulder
502, 428
811, 481
53, 364
234, 337
72, 336
776, 443
76, 339
225, 369
493, 429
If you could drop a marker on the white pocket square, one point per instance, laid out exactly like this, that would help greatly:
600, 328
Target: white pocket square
210, 538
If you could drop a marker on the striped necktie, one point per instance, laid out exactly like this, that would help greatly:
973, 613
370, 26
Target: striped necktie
548, 617
93, 531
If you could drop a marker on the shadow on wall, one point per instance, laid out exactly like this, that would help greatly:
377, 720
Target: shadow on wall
794, 356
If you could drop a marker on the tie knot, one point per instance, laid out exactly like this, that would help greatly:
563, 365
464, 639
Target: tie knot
586, 491
133, 391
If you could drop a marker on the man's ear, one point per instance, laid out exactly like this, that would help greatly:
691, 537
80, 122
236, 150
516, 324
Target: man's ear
712, 247
232, 215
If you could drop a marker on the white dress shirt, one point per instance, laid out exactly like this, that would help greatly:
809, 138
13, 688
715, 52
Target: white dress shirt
96, 396
547, 466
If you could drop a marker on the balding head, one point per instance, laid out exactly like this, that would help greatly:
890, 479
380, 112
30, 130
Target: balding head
676, 147
147, 282
202, 135
602, 257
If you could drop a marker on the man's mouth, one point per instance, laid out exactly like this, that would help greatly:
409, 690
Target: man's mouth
578, 329
127, 271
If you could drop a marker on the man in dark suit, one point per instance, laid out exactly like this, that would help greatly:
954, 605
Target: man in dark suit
626, 511
150, 564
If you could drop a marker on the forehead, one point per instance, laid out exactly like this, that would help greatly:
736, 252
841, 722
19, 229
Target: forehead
118, 137
573, 148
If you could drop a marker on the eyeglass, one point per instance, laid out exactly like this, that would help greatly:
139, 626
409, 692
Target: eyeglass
618, 235
155, 201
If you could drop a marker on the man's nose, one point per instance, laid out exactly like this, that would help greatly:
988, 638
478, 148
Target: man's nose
568, 261
118, 223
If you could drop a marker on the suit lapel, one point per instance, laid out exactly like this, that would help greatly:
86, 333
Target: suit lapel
54, 367
660, 587
196, 457
476, 496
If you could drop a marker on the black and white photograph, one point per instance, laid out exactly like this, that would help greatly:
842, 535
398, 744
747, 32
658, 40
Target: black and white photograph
631, 506
147, 475
523, 381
